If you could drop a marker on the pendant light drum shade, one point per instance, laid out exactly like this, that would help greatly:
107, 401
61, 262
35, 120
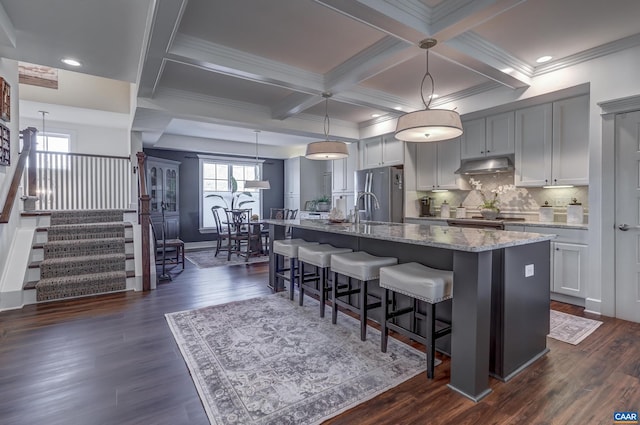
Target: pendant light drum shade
257, 184
430, 125
327, 149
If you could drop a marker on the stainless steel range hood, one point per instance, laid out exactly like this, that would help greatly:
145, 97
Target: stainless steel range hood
486, 166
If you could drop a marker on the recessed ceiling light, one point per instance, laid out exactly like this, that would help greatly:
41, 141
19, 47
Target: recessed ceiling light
71, 62
398, 108
543, 59
375, 115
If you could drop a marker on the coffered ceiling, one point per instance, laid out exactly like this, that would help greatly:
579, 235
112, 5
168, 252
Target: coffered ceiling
217, 70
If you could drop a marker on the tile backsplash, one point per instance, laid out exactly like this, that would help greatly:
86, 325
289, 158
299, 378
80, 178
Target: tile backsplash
519, 202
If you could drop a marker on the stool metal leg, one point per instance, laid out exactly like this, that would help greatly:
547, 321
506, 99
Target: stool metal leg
301, 286
292, 277
363, 310
322, 272
334, 307
384, 331
431, 346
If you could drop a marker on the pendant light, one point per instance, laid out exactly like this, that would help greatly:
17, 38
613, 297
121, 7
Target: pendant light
428, 125
257, 184
327, 149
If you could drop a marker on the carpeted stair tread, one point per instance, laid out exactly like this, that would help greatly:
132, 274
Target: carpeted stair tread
66, 266
36, 264
85, 231
80, 247
86, 216
79, 285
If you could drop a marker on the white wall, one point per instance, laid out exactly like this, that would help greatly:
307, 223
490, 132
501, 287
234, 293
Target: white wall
9, 71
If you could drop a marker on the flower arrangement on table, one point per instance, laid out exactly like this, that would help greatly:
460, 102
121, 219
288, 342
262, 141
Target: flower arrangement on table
490, 201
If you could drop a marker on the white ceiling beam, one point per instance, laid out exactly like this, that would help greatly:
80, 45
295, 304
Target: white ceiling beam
449, 19
382, 55
294, 104
199, 107
167, 17
7, 31
217, 58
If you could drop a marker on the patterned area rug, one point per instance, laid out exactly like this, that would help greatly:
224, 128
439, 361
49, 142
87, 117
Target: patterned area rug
268, 361
571, 329
205, 258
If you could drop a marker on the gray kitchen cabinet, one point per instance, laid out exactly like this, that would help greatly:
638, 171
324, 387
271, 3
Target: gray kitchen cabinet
303, 181
381, 151
487, 137
436, 164
552, 144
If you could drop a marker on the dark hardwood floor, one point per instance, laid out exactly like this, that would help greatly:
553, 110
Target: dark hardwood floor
112, 360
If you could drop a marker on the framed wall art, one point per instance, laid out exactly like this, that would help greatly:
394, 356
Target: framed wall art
5, 100
5, 146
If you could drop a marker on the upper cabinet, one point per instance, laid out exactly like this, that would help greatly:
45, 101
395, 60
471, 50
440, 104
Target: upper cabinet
436, 164
490, 136
342, 171
552, 143
303, 181
381, 151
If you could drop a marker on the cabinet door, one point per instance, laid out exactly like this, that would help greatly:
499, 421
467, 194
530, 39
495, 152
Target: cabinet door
569, 269
392, 150
473, 139
570, 162
292, 202
372, 152
500, 134
448, 163
292, 176
533, 146
426, 164
339, 175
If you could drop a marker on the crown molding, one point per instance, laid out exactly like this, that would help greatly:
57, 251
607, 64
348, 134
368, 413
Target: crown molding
375, 99
471, 91
589, 54
616, 106
379, 120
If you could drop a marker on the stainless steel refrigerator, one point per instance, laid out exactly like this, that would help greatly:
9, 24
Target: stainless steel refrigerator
388, 186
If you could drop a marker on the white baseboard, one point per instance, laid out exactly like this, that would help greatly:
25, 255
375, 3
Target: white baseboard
568, 299
593, 306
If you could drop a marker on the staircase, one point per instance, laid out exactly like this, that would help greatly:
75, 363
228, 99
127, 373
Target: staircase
81, 253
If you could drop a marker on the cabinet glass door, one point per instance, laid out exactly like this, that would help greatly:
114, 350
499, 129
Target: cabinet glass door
153, 189
170, 193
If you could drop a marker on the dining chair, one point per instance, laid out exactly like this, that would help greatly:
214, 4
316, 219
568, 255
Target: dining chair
172, 249
279, 213
242, 234
222, 231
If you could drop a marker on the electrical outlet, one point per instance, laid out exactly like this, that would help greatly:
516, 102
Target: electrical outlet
528, 270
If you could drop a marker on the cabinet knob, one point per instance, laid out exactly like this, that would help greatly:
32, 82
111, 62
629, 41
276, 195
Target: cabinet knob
488, 151
481, 151
557, 249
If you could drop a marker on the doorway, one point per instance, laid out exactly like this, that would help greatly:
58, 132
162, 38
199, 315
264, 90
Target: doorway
627, 216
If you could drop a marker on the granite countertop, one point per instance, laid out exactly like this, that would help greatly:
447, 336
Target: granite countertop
454, 238
555, 224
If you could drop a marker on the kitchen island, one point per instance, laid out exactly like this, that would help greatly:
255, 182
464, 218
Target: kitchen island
500, 306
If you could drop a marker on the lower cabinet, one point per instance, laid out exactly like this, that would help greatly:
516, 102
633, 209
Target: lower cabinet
569, 257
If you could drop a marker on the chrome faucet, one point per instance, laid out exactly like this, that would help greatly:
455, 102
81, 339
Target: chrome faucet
376, 204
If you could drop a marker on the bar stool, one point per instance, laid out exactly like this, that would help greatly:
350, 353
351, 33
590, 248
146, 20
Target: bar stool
420, 283
363, 267
320, 257
288, 248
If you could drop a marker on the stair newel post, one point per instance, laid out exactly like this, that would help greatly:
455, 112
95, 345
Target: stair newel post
32, 179
144, 223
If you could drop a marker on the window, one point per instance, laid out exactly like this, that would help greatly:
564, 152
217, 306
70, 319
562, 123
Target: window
52, 142
216, 187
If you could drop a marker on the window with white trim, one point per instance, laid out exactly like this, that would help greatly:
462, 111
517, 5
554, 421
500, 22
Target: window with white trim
53, 142
216, 188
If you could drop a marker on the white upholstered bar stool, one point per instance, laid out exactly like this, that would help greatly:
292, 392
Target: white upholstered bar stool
419, 282
288, 248
363, 267
318, 256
